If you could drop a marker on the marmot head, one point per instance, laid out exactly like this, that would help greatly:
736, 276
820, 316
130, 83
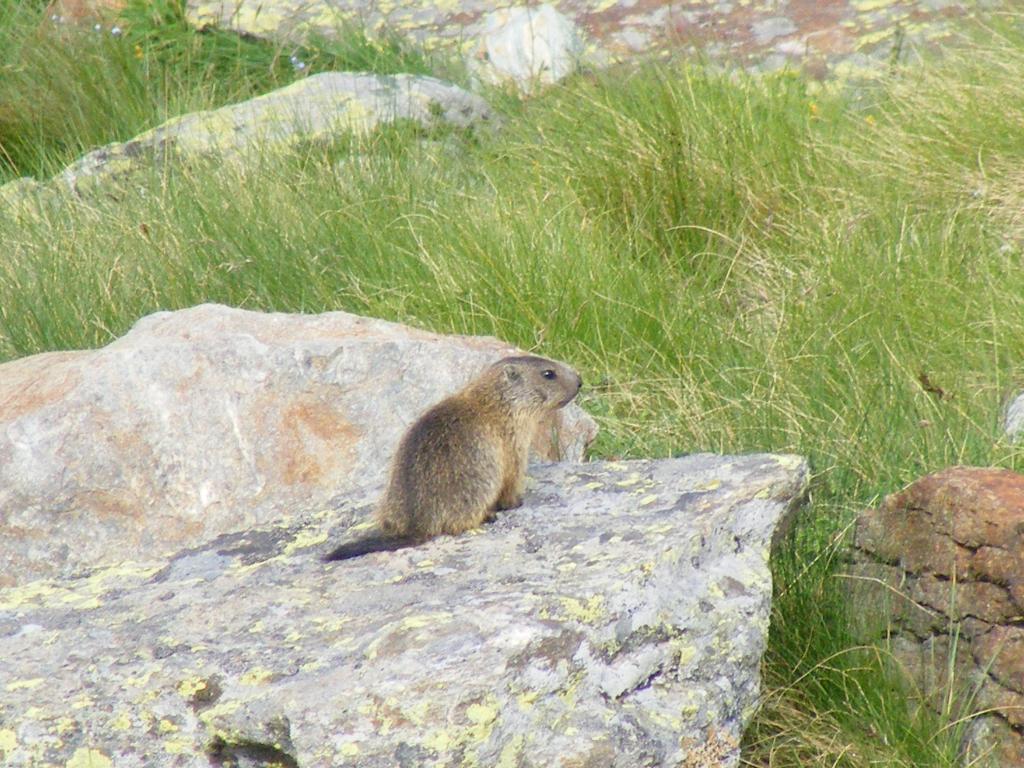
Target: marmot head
536, 383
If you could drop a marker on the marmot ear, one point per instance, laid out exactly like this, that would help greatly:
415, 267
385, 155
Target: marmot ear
512, 373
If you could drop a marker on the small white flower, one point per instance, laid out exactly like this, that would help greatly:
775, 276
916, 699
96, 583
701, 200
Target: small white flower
300, 65
115, 31
98, 28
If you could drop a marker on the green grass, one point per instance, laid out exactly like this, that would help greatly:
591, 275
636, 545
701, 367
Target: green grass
65, 89
733, 264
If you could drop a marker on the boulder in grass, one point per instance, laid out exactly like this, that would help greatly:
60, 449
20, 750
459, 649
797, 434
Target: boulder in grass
941, 566
319, 108
528, 46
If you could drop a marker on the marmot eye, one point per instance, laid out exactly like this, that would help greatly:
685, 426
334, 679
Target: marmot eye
547, 373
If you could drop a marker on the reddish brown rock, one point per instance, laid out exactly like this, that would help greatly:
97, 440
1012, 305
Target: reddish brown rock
1001, 652
79, 11
962, 599
958, 521
992, 742
951, 546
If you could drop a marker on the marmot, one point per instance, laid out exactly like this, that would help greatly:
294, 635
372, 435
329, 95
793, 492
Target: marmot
466, 457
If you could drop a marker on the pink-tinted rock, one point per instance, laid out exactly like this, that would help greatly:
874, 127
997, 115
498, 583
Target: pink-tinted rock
214, 419
78, 11
820, 36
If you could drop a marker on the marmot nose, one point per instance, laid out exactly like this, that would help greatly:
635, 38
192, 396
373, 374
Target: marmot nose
579, 382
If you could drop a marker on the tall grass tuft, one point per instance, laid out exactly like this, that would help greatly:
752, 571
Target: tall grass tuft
66, 88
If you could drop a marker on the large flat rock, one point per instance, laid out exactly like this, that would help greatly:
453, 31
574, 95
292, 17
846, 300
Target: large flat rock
618, 618
214, 419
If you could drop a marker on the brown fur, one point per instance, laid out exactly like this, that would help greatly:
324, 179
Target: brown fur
466, 457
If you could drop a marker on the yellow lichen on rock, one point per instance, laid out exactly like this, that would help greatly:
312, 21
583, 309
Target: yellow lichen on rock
438, 740
260, 18
510, 756
304, 540
8, 740
482, 716
178, 747
189, 687
585, 613
33, 593
349, 749
16, 685
256, 676
420, 620
85, 757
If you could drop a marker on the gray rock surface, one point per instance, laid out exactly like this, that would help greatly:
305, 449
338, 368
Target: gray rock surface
318, 108
1013, 421
768, 29
213, 419
616, 619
